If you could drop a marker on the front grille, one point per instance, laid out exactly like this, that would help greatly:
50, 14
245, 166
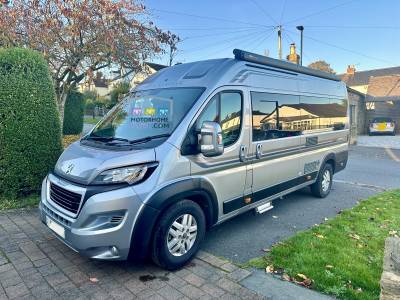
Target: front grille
56, 216
116, 219
66, 199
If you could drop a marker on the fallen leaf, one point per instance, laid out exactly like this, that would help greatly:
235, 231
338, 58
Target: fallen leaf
329, 266
93, 279
354, 236
269, 269
360, 245
320, 236
286, 277
302, 276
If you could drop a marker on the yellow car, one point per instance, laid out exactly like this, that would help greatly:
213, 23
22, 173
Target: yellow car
382, 125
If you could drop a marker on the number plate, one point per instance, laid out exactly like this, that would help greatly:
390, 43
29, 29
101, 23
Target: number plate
58, 229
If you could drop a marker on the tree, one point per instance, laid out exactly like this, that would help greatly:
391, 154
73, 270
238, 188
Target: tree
172, 42
78, 38
322, 66
118, 92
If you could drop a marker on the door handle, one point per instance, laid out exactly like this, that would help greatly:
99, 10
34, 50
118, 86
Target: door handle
258, 151
242, 153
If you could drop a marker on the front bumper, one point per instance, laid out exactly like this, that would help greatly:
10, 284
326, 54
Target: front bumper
102, 228
381, 131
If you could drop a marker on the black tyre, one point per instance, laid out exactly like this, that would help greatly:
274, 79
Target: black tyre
322, 186
178, 235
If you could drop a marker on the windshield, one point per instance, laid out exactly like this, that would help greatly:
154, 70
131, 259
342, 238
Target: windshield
146, 114
382, 120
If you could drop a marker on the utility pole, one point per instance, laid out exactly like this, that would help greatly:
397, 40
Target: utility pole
280, 41
301, 28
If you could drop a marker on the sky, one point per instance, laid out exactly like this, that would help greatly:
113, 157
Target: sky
364, 33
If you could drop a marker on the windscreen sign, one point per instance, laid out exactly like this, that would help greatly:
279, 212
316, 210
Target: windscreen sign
151, 112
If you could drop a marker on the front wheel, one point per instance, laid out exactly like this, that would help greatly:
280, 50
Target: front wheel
323, 185
178, 235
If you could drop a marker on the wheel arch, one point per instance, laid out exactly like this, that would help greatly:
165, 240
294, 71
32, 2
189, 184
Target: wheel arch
198, 190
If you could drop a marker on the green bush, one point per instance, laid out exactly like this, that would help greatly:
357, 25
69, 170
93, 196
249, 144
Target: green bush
30, 134
73, 113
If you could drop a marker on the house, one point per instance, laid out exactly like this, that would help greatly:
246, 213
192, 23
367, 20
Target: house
376, 93
359, 81
98, 84
148, 69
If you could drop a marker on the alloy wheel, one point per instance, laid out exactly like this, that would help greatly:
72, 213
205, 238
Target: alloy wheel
182, 235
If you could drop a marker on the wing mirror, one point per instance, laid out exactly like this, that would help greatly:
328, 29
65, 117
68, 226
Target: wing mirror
210, 139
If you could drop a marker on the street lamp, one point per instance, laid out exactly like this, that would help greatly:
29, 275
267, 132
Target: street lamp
301, 28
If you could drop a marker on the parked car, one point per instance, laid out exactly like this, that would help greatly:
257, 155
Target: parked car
191, 147
382, 125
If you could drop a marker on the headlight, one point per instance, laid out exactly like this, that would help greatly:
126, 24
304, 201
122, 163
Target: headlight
131, 174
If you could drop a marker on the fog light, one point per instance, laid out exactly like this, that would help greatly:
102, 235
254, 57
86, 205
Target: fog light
114, 251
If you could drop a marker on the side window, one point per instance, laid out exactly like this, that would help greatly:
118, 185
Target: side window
339, 118
210, 113
226, 109
230, 117
274, 116
322, 113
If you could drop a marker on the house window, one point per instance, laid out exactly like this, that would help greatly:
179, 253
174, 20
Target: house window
369, 105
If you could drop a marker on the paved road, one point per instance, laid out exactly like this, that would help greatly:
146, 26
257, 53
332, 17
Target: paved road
244, 237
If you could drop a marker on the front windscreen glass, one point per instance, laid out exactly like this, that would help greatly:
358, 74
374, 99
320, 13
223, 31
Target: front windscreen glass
146, 114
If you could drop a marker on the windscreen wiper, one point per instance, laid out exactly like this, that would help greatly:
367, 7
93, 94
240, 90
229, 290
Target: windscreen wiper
105, 138
149, 138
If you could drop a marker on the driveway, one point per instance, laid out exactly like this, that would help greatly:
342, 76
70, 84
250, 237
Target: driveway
380, 141
369, 171
35, 265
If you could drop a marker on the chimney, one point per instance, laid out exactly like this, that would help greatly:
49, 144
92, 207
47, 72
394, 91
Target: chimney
293, 56
351, 69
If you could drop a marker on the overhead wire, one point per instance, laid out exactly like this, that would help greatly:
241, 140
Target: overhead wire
262, 40
347, 50
320, 11
209, 17
264, 11
222, 41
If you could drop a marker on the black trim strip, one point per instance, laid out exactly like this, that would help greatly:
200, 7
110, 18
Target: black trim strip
232, 205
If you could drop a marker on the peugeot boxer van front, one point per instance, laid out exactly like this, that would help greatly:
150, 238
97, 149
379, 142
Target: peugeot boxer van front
192, 146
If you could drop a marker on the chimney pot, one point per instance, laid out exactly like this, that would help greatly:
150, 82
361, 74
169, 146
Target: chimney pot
351, 69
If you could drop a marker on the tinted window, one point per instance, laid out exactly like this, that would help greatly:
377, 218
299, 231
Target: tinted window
231, 115
274, 115
322, 113
210, 113
226, 109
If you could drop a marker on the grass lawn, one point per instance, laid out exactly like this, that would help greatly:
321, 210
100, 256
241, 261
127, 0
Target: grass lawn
90, 120
10, 203
344, 256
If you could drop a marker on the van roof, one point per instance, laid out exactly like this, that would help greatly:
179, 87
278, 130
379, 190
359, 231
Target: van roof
246, 69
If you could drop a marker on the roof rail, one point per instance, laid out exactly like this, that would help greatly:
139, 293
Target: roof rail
280, 64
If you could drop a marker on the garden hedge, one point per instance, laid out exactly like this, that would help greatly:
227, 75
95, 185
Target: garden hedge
73, 113
30, 133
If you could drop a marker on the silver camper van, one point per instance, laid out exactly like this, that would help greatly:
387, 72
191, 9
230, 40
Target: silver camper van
192, 146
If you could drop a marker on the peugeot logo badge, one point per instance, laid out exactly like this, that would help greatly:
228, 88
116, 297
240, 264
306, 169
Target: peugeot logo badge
69, 169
